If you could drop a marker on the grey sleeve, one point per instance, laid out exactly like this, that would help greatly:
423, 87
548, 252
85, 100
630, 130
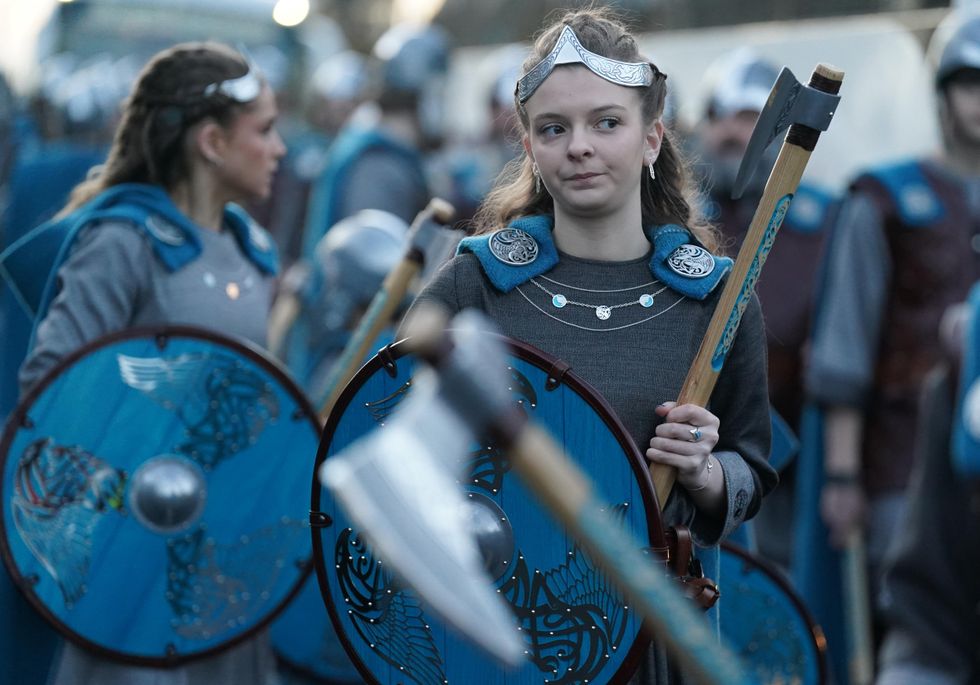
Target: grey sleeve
931, 586
851, 307
381, 181
100, 285
741, 402
458, 284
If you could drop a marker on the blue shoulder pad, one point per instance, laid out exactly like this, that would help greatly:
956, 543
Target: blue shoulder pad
254, 240
808, 211
966, 429
516, 254
917, 202
683, 264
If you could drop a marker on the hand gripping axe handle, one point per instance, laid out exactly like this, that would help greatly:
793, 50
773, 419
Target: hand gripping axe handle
468, 381
805, 111
438, 212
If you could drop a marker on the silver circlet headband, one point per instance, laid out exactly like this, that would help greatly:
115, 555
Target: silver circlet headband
569, 51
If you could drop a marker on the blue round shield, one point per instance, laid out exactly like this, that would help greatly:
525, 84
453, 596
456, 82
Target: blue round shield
305, 642
765, 621
155, 491
577, 628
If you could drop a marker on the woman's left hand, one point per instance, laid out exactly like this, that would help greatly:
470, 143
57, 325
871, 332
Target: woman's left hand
685, 440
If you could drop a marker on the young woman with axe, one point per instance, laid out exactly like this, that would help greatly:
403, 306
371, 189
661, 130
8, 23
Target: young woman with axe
590, 250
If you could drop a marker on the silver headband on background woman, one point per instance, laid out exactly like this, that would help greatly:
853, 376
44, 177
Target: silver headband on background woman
242, 89
569, 51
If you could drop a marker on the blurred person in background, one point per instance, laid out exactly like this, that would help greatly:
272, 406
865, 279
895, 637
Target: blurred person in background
75, 112
328, 296
465, 170
8, 140
377, 161
197, 133
337, 87
904, 248
739, 84
27, 642
931, 571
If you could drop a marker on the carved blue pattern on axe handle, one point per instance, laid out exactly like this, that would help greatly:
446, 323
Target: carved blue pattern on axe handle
748, 287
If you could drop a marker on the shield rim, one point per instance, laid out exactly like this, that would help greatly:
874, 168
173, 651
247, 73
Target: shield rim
779, 578
558, 371
16, 420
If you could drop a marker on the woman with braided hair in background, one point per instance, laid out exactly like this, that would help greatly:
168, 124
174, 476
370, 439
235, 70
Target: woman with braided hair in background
155, 242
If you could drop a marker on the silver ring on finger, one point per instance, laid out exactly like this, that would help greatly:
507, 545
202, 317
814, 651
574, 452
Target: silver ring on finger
695, 434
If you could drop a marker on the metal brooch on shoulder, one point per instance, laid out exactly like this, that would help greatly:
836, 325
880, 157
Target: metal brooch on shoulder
259, 238
164, 231
692, 261
513, 247
568, 50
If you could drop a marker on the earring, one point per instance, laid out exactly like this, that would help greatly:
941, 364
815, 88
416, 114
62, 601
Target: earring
653, 174
537, 177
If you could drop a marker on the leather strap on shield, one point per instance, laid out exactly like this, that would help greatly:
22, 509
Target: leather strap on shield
687, 568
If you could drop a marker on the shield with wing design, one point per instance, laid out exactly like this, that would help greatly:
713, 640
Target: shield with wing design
767, 624
575, 626
155, 494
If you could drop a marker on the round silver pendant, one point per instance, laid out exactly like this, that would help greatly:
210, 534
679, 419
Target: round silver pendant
559, 301
692, 261
646, 300
513, 246
603, 312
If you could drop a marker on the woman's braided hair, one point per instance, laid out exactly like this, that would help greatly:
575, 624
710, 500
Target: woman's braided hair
168, 98
670, 198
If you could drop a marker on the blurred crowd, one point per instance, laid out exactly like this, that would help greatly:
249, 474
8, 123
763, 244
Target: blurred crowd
864, 297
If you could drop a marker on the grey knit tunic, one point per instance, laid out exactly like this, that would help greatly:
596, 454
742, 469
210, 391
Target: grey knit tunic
637, 359
113, 280
637, 367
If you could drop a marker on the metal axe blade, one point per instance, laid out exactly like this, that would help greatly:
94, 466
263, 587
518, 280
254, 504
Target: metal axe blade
400, 487
790, 102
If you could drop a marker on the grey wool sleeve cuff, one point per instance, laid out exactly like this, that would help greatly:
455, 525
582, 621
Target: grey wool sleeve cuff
739, 490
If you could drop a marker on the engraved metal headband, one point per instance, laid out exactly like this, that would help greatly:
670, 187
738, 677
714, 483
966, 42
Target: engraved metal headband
242, 89
569, 51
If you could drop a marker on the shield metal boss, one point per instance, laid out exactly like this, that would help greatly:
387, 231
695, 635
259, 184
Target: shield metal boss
766, 623
154, 494
577, 627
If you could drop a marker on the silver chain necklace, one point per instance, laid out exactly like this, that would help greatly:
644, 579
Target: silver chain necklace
589, 290
599, 330
602, 311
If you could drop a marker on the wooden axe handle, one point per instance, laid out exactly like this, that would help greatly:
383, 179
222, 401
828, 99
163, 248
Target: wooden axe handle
783, 181
382, 306
568, 494
857, 607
